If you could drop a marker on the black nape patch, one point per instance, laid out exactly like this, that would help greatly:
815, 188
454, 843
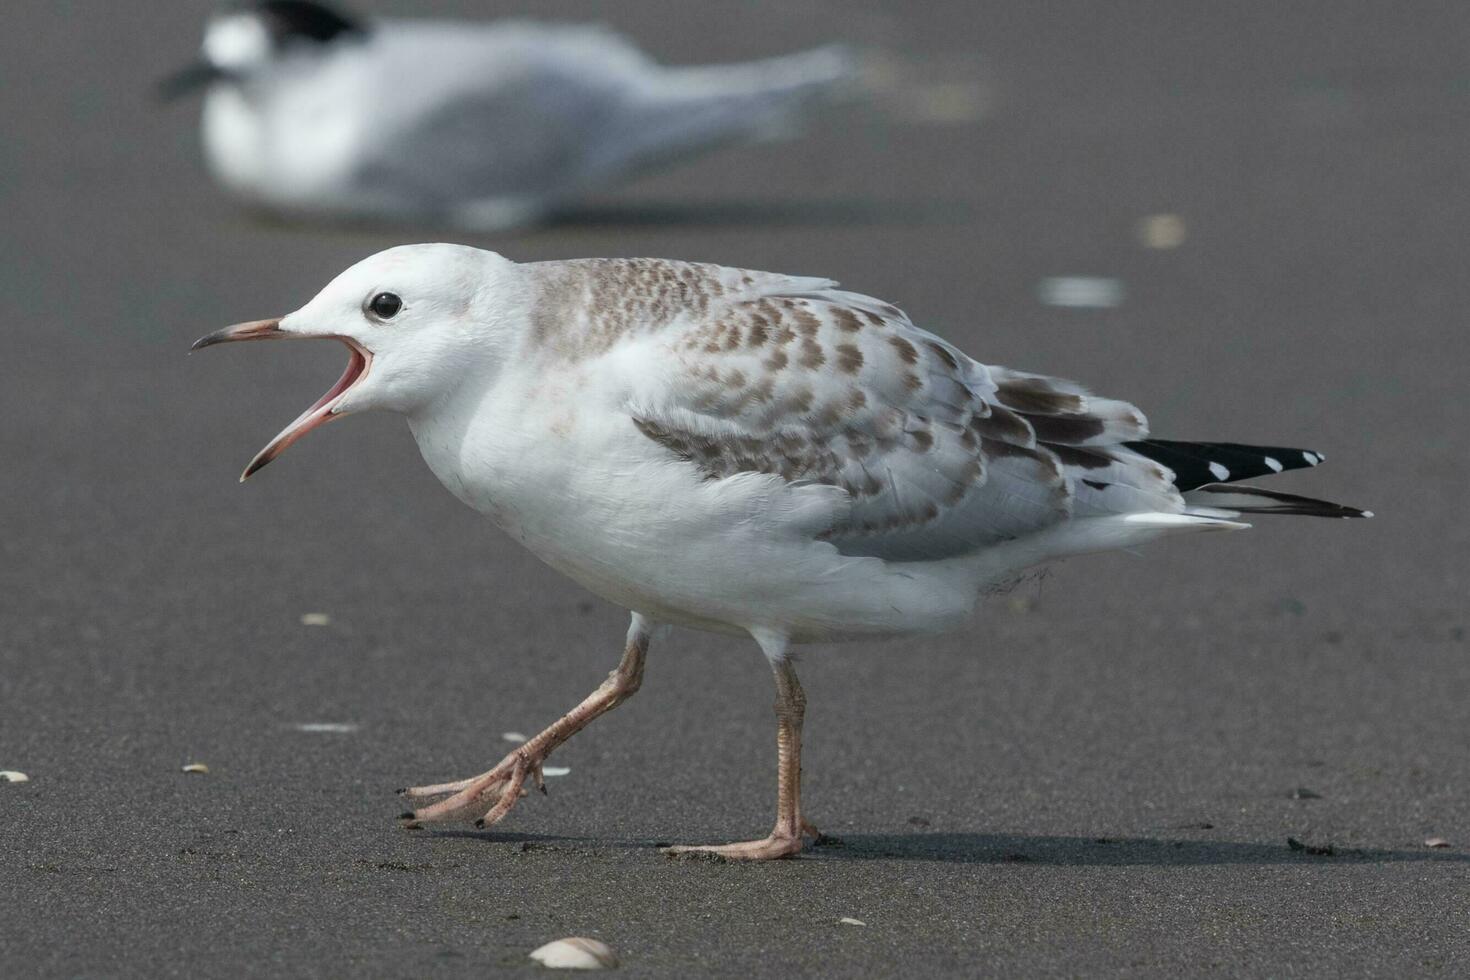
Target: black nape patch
292, 20
1198, 463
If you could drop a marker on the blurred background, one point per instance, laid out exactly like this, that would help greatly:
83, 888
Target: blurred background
1250, 219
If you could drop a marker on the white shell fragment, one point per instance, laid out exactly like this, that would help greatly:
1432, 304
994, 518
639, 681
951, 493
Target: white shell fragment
848, 920
1083, 292
335, 727
515, 737
556, 770
576, 953
197, 767
315, 619
1431, 842
1161, 231
12, 776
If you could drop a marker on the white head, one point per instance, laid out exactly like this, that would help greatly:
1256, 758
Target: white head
237, 43
417, 320
247, 37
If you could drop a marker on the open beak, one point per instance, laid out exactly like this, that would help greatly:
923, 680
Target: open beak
191, 78
325, 407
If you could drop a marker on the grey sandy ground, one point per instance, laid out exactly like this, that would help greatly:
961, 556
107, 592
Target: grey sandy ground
1096, 779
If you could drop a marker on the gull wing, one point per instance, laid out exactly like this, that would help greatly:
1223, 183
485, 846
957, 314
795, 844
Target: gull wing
940, 456
466, 113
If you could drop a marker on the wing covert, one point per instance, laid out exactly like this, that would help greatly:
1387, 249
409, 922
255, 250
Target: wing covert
940, 455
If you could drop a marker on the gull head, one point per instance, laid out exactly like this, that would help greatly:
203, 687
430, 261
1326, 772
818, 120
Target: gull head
247, 37
417, 321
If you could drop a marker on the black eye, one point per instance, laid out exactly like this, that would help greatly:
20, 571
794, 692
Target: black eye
385, 306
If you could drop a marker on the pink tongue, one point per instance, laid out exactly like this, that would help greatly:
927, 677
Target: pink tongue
350, 374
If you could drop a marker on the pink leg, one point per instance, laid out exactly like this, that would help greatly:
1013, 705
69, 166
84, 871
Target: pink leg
493, 793
785, 837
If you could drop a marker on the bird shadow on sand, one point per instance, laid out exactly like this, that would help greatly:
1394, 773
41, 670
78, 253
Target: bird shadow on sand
757, 214
961, 848
1019, 849
601, 218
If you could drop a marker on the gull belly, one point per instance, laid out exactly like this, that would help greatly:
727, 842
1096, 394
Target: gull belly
581, 488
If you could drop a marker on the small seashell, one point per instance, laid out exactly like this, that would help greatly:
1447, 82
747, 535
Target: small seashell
514, 737
315, 619
556, 770
1162, 231
1431, 842
576, 953
848, 920
11, 776
198, 767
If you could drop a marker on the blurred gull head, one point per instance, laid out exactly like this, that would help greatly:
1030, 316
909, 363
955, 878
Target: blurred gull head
248, 37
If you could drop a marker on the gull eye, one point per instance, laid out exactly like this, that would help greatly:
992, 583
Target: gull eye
385, 306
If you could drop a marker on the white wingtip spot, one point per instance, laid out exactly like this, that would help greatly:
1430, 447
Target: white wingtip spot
1312, 458
1221, 473
1274, 463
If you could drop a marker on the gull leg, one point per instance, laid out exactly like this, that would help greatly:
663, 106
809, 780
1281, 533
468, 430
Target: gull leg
493, 793
785, 839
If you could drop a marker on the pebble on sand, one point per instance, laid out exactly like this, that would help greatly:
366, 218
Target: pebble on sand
196, 767
315, 619
1436, 842
12, 776
848, 920
576, 953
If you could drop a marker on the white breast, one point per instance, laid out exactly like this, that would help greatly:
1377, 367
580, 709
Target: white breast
234, 141
593, 498
289, 140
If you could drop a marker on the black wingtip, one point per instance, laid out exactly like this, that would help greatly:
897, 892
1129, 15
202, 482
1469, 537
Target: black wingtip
1245, 499
1196, 464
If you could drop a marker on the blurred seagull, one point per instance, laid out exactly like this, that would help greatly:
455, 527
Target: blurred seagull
747, 453
482, 125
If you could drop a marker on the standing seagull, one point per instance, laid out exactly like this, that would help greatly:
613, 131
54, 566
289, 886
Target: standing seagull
484, 126
746, 453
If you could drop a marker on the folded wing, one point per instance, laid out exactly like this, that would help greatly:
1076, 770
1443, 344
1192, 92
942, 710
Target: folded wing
940, 455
